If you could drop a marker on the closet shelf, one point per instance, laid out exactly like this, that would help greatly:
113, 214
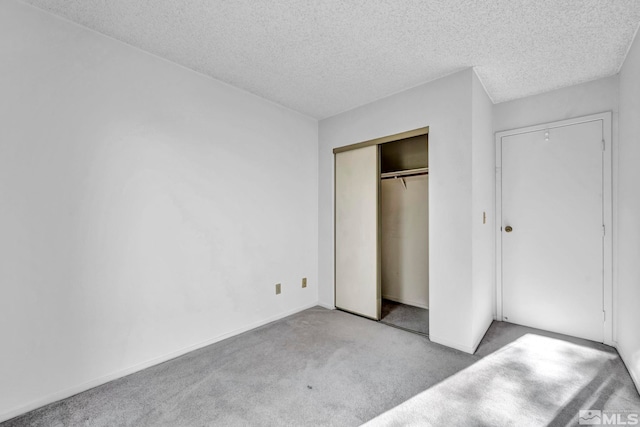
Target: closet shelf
408, 172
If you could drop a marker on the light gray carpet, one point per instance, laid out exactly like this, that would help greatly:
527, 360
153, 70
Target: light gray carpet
533, 381
318, 367
405, 316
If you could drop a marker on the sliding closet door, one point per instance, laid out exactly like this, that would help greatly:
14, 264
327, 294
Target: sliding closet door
357, 254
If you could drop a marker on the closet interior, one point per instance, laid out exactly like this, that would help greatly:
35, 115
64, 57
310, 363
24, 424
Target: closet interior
404, 233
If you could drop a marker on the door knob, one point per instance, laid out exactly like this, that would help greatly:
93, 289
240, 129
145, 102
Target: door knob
508, 229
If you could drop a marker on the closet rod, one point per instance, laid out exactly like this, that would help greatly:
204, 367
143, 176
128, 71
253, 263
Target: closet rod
409, 172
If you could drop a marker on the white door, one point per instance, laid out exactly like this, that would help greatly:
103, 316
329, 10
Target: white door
552, 229
357, 254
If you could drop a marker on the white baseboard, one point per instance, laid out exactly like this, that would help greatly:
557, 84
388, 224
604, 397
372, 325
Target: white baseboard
484, 330
626, 359
448, 343
71, 391
327, 306
467, 349
405, 301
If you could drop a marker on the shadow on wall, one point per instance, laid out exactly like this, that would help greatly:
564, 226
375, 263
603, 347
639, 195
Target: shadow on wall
535, 380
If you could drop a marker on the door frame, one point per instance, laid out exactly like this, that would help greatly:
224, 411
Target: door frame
607, 207
377, 142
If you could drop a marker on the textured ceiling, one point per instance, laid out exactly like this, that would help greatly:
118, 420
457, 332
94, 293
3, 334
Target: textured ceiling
322, 57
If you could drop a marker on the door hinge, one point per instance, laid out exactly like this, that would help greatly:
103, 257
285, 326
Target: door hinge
604, 316
604, 230
603, 144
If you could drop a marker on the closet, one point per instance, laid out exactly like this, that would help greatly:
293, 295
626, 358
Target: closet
382, 230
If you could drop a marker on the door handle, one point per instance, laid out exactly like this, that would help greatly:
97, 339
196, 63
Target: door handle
508, 229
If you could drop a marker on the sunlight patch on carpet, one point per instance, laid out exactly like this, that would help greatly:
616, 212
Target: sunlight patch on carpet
532, 381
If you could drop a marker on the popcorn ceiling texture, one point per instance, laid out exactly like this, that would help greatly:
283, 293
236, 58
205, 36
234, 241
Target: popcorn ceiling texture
325, 57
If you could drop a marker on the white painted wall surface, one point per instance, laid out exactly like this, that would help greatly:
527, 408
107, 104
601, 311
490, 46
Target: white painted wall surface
483, 201
584, 99
404, 240
445, 106
628, 229
144, 210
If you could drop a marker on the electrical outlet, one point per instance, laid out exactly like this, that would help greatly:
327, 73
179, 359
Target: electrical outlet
304, 282
278, 288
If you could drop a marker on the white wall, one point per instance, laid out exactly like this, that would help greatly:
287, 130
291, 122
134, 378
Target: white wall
584, 99
445, 106
628, 266
483, 162
145, 209
617, 93
404, 240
